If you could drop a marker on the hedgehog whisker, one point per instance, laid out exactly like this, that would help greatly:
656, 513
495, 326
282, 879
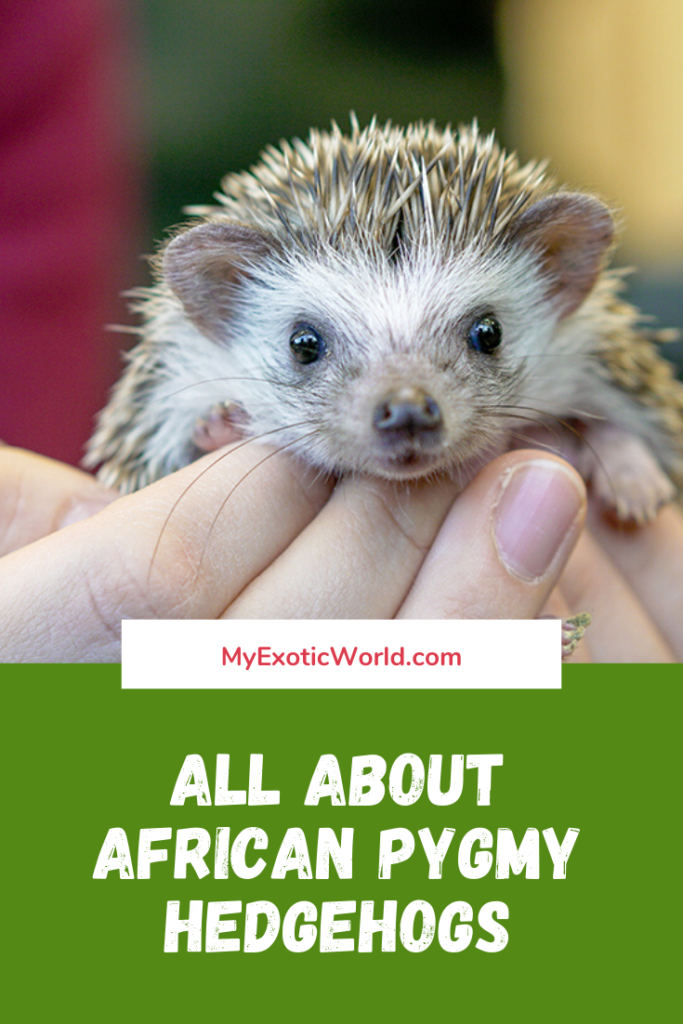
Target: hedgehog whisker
542, 419
218, 380
538, 444
540, 413
270, 455
219, 458
561, 355
514, 412
579, 414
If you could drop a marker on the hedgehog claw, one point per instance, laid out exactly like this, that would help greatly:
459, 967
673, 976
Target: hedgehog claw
220, 427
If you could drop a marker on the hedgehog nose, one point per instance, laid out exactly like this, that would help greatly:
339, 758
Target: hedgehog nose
407, 412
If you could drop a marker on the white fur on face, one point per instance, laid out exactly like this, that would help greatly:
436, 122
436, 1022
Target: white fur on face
386, 325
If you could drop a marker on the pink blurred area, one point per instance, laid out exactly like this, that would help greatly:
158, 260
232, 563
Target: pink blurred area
69, 214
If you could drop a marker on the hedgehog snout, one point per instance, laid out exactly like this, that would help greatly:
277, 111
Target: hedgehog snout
408, 414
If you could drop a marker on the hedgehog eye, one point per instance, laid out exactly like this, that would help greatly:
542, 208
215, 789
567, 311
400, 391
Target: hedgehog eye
485, 334
307, 346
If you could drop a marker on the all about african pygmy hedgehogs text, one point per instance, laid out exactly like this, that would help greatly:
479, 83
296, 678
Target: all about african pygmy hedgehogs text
396, 302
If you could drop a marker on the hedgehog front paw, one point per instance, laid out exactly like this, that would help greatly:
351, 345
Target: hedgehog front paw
223, 425
634, 498
624, 474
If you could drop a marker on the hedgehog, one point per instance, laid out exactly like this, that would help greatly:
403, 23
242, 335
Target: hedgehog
397, 302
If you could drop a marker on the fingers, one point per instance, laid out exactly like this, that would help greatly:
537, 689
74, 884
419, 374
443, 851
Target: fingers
38, 496
243, 530
184, 547
357, 559
621, 630
650, 558
504, 543
361, 555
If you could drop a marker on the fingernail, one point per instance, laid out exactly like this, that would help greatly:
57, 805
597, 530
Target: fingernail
537, 517
79, 509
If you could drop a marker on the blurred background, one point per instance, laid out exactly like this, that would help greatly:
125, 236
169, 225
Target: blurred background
115, 115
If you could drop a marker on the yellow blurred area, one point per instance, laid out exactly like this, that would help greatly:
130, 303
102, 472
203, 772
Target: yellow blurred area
597, 85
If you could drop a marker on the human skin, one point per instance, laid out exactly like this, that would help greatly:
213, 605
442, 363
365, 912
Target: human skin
250, 533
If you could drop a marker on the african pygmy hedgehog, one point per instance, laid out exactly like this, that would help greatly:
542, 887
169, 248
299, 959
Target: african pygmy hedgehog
395, 301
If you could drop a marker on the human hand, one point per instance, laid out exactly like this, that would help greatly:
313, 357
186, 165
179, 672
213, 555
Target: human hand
631, 581
277, 547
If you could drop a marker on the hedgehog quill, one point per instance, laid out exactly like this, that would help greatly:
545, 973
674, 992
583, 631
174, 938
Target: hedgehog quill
396, 302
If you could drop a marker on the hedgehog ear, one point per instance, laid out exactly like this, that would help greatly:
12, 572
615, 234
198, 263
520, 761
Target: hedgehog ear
205, 266
572, 233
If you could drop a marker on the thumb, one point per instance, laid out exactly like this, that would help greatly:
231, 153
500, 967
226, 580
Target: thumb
503, 545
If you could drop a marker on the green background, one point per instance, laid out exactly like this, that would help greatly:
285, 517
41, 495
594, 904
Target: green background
602, 755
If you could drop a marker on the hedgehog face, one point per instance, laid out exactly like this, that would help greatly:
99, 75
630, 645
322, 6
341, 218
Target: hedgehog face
398, 360
379, 302
395, 368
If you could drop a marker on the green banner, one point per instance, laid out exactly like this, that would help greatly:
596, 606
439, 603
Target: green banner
576, 789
